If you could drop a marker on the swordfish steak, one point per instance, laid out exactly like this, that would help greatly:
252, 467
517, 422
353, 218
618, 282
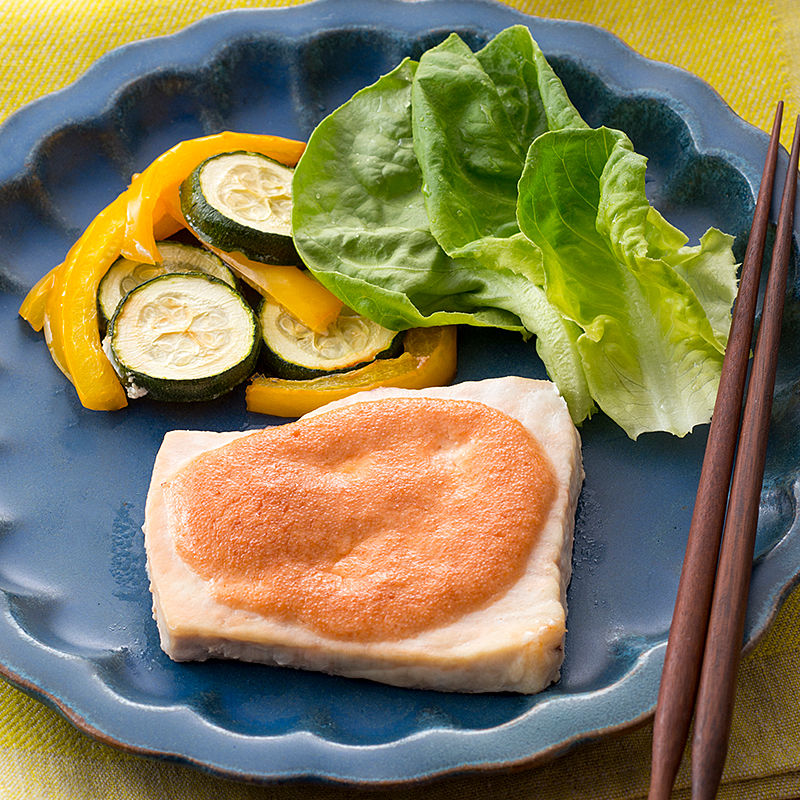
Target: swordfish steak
420, 538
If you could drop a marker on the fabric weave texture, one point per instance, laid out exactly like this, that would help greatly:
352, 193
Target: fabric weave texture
750, 53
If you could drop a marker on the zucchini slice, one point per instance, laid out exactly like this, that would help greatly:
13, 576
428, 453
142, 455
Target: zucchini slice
293, 351
182, 337
242, 202
124, 274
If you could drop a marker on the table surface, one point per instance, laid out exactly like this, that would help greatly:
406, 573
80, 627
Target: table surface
750, 53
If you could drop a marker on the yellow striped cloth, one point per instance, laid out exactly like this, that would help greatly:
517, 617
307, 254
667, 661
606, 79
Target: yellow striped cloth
750, 53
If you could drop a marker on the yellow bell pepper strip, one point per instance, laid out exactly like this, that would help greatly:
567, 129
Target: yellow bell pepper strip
33, 306
72, 311
429, 360
53, 324
164, 226
302, 295
158, 185
53, 319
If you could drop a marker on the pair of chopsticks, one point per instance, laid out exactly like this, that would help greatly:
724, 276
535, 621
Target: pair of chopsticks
706, 635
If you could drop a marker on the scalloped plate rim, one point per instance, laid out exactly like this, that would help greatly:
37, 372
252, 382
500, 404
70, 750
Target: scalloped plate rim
37, 120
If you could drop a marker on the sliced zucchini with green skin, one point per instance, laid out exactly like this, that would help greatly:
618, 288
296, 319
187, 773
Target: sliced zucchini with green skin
293, 351
124, 274
182, 337
242, 202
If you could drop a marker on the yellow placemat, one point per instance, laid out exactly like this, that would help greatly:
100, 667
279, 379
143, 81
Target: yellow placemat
750, 53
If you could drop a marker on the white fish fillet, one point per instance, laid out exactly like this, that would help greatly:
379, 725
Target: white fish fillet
513, 644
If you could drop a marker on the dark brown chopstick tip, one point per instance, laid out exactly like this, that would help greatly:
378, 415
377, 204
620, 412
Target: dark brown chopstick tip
692, 607
722, 654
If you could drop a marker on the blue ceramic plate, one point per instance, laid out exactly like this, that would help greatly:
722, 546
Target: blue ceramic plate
75, 622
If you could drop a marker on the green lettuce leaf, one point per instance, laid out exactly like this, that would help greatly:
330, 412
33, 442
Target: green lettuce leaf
360, 223
474, 117
651, 352
466, 189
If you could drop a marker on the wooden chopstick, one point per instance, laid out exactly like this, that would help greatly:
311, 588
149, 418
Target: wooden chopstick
726, 623
687, 635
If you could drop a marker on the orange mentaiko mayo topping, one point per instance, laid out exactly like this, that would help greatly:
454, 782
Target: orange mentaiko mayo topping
370, 522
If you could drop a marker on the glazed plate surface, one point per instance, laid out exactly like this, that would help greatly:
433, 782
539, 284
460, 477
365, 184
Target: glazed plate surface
75, 619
